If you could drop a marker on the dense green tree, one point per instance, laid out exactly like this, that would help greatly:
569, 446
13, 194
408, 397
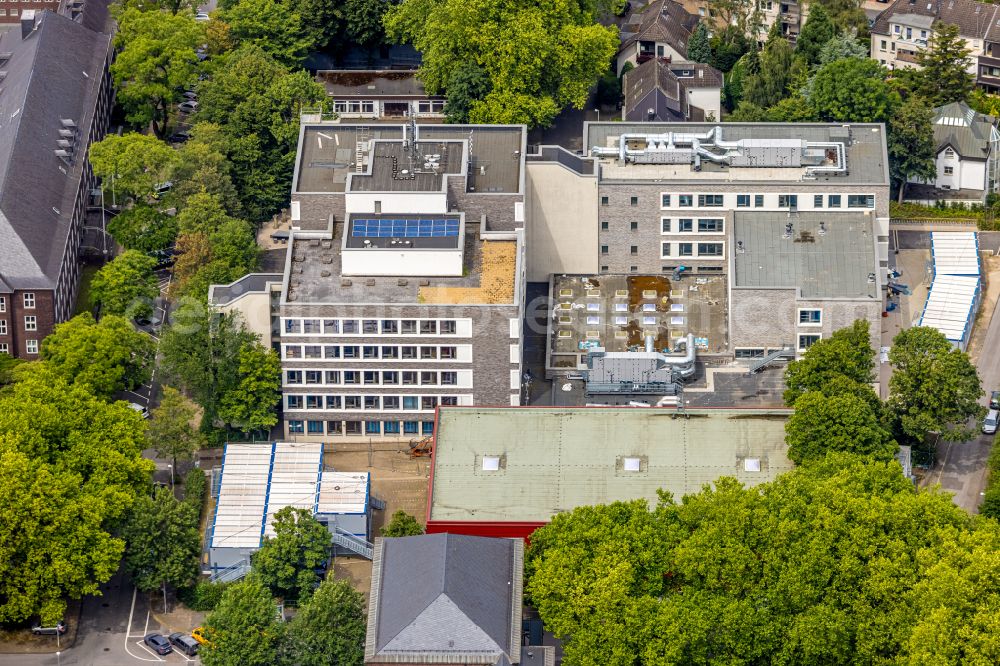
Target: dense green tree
131, 165
816, 33
748, 112
244, 629
144, 228
843, 46
934, 386
203, 213
71, 466
839, 561
402, 524
8, 366
286, 562
172, 6
104, 357
126, 285
328, 629
944, 67
467, 84
538, 58
252, 404
742, 20
729, 44
795, 109
201, 353
699, 48
156, 61
162, 541
271, 26
770, 85
257, 103
609, 90
847, 15
844, 422
171, 430
202, 167
847, 353
220, 257
912, 146
852, 90
322, 20
363, 21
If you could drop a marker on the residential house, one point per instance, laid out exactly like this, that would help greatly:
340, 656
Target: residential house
661, 29
966, 161
56, 100
448, 599
388, 95
661, 91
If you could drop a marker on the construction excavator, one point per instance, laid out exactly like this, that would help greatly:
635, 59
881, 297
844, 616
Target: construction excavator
421, 448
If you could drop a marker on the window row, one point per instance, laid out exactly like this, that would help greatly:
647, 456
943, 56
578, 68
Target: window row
354, 106
28, 298
703, 250
784, 201
294, 326
371, 352
376, 403
686, 225
430, 106
298, 427
371, 377
668, 269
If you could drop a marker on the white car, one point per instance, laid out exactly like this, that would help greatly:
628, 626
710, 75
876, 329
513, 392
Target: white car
990, 422
202, 16
189, 106
144, 412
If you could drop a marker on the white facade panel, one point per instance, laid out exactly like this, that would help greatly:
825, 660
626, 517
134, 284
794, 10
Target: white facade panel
422, 263
396, 202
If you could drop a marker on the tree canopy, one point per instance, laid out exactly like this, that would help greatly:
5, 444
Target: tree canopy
144, 228
934, 386
402, 524
252, 404
944, 75
699, 47
71, 466
816, 33
838, 561
270, 25
132, 165
171, 430
105, 357
846, 354
538, 58
839, 422
329, 629
286, 562
244, 629
163, 542
125, 285
852, 90
912, 148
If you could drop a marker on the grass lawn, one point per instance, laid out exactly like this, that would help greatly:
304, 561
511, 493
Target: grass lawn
83, 297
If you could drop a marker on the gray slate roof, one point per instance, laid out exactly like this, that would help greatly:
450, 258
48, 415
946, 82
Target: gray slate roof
662, 21
657, 75
54, 73
968, 132
445, 598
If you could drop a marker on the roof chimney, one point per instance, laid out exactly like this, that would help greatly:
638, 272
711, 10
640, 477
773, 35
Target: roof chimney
27, 22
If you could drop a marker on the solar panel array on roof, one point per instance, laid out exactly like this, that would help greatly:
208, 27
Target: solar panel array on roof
404, 228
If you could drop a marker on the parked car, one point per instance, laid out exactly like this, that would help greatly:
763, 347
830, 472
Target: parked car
202, 16
144, 412
190, 94
189, 106
198, 633
995, 400
184, 644
147, 320
58, 628
990, 422
158, 643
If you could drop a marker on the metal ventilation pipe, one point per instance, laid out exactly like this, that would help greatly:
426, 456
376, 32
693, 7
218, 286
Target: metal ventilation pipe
649, 343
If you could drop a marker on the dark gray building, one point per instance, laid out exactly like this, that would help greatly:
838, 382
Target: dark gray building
661, 91
404, 280
55, 102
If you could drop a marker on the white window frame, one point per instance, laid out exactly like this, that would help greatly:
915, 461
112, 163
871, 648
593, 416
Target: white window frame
30, 323
28, 298
816, 323
720, 256
4, 349
31, 346
798, 341
3, 327
666, 225
3, 304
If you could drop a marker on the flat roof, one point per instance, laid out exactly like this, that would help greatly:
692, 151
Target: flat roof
242, 501
328, 153
412, 232
950, 305
826, 256
418, 167
489, 275
372, 83
343, 492
616, 312
955, 252
865, 152
525, 464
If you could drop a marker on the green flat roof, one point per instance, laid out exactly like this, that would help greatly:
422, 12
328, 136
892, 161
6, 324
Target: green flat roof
555, 459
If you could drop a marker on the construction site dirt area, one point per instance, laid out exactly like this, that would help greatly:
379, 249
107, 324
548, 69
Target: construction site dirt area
396, 478
619, 312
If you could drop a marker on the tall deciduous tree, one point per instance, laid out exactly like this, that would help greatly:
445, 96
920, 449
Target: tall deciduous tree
252, 403
840, 561
699, 48
272, 26
467, 84
244, 629
328, 629
155, 63
144, 228
911, 144
934, 386
131, 165
287, 561
816, 33
843, 46
845, 354
845, 422
847, 15
768, 86
944, 76
539, 58
105, 357
402, 525
126, 285
202, 167
70, 467
852, 90
163, 543
171, 430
